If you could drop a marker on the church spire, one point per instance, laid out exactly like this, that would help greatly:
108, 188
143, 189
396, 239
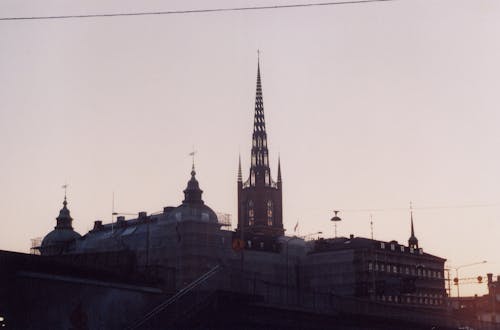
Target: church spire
260, 211
260, 174
412, 241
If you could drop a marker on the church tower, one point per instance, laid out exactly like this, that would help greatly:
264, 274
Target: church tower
260, 214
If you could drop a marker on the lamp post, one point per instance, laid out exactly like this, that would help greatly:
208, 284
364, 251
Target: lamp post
335, 219
457, 279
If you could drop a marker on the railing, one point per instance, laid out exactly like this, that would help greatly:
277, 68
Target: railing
175, 298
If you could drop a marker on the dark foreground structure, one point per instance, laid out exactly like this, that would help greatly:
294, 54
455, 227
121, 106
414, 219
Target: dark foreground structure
182, 269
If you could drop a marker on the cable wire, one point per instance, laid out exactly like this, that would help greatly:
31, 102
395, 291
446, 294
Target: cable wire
193, 11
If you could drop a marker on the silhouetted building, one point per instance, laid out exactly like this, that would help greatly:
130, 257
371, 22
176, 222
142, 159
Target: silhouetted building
260, 212
57, 241
173, 268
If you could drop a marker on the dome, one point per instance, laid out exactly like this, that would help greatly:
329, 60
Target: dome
193, 212
62, 234
59, 237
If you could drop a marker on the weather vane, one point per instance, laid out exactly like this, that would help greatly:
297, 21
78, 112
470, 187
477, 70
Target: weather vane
65, 187
192, 153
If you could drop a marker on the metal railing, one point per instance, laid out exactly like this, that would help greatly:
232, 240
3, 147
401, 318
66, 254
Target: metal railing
176, 297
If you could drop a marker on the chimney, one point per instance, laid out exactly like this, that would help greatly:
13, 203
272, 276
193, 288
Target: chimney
490, 283
167, 209
351, 236
120, 220
97, 225
142, 215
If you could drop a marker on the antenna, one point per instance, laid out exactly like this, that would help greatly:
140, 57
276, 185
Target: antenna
371, 225
113, 213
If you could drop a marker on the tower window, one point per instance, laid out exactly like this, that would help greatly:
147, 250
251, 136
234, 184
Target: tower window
269, 213
251, 215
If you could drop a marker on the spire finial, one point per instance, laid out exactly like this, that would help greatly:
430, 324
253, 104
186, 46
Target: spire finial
65, 187
192, 153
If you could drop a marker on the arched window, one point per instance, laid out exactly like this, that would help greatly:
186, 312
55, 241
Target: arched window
251, 214
269, 213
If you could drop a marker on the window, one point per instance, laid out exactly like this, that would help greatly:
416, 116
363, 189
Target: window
402, 249
251, 215
393, 247
382, 245
370, 266
269, 213
394, 269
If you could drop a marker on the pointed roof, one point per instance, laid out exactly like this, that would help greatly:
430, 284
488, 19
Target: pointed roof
259, 124
279, 169
64, 220
412, 241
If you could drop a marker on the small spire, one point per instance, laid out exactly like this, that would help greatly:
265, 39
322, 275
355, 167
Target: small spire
192, 153
279, 168
64, 219
240, 177
412, 241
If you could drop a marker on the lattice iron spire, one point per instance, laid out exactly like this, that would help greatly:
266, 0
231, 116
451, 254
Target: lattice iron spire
240, 176
260, 173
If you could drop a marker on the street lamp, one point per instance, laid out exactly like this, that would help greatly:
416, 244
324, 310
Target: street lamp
457, 279
335, 219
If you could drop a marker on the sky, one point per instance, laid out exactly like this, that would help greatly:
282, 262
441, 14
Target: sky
370, 106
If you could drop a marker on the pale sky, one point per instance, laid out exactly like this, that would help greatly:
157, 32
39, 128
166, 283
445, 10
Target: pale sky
369, 106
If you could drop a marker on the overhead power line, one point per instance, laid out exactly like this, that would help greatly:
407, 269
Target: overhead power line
193, 11
462, 206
